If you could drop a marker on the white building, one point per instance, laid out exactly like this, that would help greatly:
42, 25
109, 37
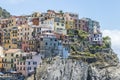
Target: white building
96, 36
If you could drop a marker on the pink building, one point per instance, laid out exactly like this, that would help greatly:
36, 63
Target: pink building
24, 35
28, 62
83, 25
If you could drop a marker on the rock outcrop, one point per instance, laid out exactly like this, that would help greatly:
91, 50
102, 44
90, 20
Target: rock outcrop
108, 73
71, 69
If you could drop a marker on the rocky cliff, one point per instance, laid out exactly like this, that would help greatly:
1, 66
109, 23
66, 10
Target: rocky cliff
72, 69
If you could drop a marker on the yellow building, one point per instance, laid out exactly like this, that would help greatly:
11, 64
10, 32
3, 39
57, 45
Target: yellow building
32, 45
13, 37
6, 38
59, 25
9, 59
10, 34
69, 24
1, 63
71, 19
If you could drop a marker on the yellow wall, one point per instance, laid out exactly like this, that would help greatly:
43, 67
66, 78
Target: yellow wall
6, 40
1, 62
69, 25
7, 64
13, 36
31, 44
10, 31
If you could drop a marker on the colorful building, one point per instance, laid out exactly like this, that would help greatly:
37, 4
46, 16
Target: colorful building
1, 64
28, 62
83, 25
96, 36
1, 59
6, 38
24, 35
71, 19
1, 37
10, 34
9, 59
47, 44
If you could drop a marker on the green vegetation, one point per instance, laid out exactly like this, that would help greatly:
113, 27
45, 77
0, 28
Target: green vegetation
81, 49
82, 35
97, 59
107, 42
4, 13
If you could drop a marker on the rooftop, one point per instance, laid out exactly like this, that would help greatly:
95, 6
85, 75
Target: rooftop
12, 50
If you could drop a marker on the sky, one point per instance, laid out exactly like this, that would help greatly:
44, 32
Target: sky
107, 12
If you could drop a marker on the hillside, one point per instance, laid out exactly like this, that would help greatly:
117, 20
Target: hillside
4, 13
85, 62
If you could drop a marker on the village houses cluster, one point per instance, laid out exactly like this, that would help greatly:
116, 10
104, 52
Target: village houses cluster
27, 39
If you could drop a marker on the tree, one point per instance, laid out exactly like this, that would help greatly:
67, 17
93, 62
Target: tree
107, 42
83, 35
4, 13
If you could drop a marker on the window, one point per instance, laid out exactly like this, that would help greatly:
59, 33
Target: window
34, 68
24, 63
11, 65
20, 63
12, 54
41, 39
34, 63
5, 60
58, 24
5, 54
20, 68
54, 44
29, 68
16, 56
51, 39
46, 43
55, 39
24, 68
9, 46
28, 63
62, 24
12, 60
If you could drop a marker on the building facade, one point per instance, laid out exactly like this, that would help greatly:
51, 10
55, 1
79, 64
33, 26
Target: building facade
28, 62
10, 58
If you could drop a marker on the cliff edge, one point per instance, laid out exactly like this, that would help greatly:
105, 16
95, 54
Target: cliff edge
72, 69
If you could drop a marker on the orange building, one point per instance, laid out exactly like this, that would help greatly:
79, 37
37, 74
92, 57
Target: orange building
1, 64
